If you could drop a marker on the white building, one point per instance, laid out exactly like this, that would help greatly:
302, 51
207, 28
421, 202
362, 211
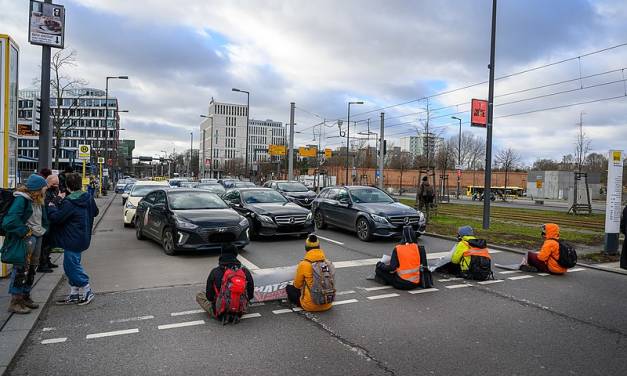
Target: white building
417, 145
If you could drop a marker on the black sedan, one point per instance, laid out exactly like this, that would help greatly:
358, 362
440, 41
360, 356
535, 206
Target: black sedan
366, 210
269, 212
189, 219
295, 191
212, 187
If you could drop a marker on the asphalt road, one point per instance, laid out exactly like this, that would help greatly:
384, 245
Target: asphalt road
144, 319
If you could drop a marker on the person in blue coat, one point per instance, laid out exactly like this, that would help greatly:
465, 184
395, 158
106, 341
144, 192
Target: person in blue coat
73, 220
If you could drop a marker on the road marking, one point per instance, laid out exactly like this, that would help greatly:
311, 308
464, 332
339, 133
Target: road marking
111, 334
53, 340
251, 315
491, 281
281, 311
257, 304
520, 277
247, 263
140, 318
543, 274
48, 329
450, 279
330, 240
297, 309
576, 270
458, 286
187, 312
348, 301
422, 291
181, 324
510, 272
362, 262
345, 292
384, 296
377, 288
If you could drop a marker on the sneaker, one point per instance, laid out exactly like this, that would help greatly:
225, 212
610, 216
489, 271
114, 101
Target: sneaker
87, 297
70, 299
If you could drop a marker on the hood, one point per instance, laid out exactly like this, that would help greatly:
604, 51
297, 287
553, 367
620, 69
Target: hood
477, 243
552, 231
387, 209
222, 217
23, 194
228, 259
315, 255
79, 198
468, 238
278, 209
308, 194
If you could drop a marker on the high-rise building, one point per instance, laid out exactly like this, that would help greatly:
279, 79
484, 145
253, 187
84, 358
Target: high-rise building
417, 145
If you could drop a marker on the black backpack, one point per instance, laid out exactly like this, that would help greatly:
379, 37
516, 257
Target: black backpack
6, 200
480, 266
568, 255
426, 279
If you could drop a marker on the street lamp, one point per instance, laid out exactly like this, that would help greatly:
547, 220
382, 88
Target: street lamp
459, 153
106, 126
348, 134
210, 148
247, 121
117, 140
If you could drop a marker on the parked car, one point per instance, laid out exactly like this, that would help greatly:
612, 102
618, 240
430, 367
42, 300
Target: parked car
212, 187
140, 189
127, 190
188, 184
176, 182
119, 187
294, 191
366, 210
209, 180
228, 182
269, 212
189, 219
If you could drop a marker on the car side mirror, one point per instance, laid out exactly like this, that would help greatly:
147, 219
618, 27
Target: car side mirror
344, 201
160, 206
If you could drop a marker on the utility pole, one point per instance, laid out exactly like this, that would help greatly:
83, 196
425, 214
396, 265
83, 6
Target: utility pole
381, 151
203, 152
290, 156
488, 150
191, 148
45, 136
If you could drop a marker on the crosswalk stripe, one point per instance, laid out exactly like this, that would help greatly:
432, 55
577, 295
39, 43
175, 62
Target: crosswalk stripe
281, 311
543, 274
576, 270
348, 301
377, 288
490, 282
384, 296
422, 291
251, 315
345, 292
520, 277
450, 279
510, 272
53, 340
187, 312
181, 324
114, 333
458, 286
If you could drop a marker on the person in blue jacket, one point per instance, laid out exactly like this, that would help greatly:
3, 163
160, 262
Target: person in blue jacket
73, 220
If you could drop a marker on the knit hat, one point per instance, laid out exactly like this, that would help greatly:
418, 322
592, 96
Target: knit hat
312, 242
35, 182
465, 231
228, 255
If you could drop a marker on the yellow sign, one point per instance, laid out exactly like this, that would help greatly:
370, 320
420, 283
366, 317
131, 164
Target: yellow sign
276, 150
85, 181
100, 160
308, 152
616, 156
84, 151
328, 153
538, 184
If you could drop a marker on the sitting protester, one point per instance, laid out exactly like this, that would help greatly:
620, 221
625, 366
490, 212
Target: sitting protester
314, 283
230, 287
548, 259
404, 270
471, 258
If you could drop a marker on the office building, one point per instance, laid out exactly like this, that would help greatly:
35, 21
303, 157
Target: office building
417, 145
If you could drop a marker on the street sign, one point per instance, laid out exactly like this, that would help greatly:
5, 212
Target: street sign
275, 150
105, 172
479, 113
84, 152
85, 181
328, 153
46, 26
308, 152
538, 184
100, 160
613, 208
459, 167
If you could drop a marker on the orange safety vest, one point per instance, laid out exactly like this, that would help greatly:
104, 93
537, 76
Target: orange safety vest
409, 262
477, 252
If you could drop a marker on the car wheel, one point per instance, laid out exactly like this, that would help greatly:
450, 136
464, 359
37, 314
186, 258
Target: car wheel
167, 242
127, 224
363, 230
138, 232
319, 220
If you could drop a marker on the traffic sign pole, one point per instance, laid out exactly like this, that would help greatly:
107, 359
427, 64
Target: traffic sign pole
100, 179
84, 168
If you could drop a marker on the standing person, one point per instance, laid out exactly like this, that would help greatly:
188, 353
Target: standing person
63, 176
91, 187
53, 198
25, 224
73, 220
623, 229
403, 271
425, 194
546, 261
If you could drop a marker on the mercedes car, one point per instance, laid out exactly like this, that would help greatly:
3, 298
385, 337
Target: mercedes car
365, 210
189, 219
269, 212
294, 191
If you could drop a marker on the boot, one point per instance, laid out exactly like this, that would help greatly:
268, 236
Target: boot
28, 302
16, 306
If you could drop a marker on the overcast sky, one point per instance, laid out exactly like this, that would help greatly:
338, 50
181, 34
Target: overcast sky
322, 54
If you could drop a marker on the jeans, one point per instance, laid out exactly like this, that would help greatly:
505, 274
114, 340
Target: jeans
73, 269
23, 276
293, 295
533, 260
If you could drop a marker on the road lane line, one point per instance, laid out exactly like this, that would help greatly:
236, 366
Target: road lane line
384, 296
257, 304
181, 324
140, 318
362, 262
520, 277
576, 270
111, 334
377, 288
510, 272
296, 309
251, 315
458, 286
281, 311
422, 291
348, 301
329, 240
247, 263
543, 274
53, 340
345, 292
489, 282
450, 279
187, 312
48, 329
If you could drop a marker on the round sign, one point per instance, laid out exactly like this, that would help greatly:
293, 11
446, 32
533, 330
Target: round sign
84, 149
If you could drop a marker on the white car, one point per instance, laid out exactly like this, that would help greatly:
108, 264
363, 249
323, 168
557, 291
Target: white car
140, 189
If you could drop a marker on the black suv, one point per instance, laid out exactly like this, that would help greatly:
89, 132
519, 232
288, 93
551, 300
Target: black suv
366, 210
295, 191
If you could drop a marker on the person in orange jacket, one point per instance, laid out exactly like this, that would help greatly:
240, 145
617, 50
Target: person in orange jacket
545, 261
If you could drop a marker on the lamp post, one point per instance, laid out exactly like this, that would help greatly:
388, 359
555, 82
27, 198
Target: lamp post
117, 139
247, 121
348, 134
106, 126
210, 147
459, 153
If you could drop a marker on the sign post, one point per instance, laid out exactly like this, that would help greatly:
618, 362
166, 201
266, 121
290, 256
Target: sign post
613, 201
84, 152
100, 162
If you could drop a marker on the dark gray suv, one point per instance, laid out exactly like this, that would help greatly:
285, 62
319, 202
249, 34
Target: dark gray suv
366, 210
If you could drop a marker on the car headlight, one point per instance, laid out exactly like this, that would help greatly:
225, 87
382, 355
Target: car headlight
265, 218
379, 219
422, 218
180, 223
129, 205
309, 216
243, 222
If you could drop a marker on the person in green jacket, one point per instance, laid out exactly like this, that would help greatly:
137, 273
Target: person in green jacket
459, 263
25, 224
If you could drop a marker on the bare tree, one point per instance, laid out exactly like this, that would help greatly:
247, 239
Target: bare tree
545, 165
508, 159
596, 162
582, 145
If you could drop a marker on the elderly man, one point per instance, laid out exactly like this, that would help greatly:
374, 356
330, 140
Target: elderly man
52, 199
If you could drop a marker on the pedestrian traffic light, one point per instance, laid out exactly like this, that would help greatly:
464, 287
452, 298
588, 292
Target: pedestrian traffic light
37, 114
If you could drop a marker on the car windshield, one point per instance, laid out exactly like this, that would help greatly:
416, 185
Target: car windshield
215, 188
195, 200
370, 195
263, 197
292, 187
143, 190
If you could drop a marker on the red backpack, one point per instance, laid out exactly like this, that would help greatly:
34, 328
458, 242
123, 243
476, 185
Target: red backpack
232, 300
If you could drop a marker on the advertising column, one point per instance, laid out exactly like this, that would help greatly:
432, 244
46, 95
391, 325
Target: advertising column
613, 203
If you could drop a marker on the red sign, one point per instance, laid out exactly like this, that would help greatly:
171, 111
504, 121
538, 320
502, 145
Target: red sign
479, 113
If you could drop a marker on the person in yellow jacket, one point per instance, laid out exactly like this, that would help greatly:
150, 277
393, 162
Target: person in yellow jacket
459, 262
299, 293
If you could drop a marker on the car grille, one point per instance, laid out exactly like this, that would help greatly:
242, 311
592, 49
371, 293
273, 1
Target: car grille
400, 220
214, 235
304, 201
290, 219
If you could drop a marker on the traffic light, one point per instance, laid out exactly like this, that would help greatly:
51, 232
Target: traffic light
385, 147
37, 113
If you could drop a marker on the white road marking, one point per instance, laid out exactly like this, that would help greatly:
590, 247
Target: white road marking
510, 272
520, 277
251, 315
543, 274
576, 270
422, 291
48, 329
281, 311
53, 340
345, 292
111, 334
377, 288
187, 312
181, 324
247, 263
257, 304
384, 296
297, 309
450, 279
489, 282
362, 262
140, 318
458, 286
348, 301
330, 240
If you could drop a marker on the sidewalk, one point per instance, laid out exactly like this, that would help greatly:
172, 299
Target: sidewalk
15, 328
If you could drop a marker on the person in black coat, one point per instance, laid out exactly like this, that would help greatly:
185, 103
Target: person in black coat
386, 273
623, 229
